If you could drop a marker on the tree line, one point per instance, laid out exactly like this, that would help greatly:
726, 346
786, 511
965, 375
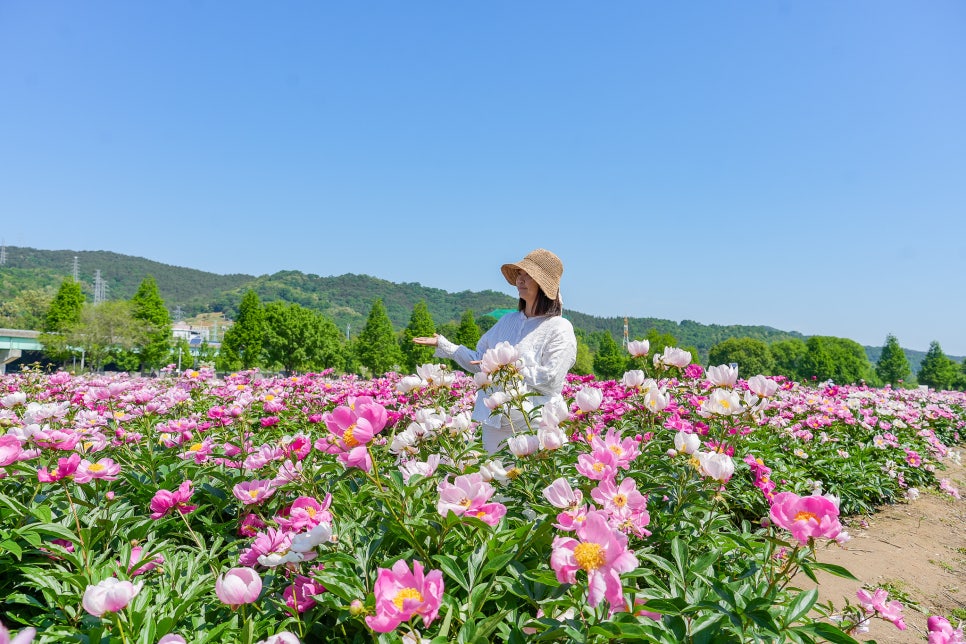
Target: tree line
136, 334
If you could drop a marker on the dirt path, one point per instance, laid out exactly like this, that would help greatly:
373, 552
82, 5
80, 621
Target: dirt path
915, 549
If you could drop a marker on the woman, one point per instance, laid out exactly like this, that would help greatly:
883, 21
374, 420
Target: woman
544, 339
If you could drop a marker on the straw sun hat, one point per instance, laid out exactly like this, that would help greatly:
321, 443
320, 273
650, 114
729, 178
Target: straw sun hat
543, 266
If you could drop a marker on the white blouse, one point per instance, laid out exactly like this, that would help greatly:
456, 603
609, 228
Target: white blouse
548, 347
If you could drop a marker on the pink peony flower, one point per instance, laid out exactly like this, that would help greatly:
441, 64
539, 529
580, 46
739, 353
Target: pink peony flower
638, 348
601, 552
172, 638
562, 496
10, 449
806, 517
23, 637
164, 501
599, 465
401, 595
467, 495
137, 553
109, 596
238, 586
299, 594
105, 469
876, 603
251, 492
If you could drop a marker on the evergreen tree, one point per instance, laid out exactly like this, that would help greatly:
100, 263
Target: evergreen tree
842, 360
28, 310
937, 370
469, 333
584, 364
610, 363
892, 366
62, 317
485, 322
752, 356
299, 339
420, 325
65, 308
376, 347
148, 307
181, 355
243, 342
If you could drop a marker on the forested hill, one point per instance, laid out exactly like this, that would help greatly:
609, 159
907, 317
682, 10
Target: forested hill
346, 299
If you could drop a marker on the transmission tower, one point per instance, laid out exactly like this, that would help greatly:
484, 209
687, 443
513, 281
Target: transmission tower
100, 288
178, 314
75, 271
3, 253
625, 340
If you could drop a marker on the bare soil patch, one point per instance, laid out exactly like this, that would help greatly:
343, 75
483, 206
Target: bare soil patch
917, 550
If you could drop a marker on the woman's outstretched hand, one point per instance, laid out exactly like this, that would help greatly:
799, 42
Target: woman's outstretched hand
429, 342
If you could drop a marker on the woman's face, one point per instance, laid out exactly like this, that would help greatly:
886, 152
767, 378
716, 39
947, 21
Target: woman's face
527, 288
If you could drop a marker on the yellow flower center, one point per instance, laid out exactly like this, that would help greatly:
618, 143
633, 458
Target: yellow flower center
348, 438
466, 503
620, 500
195, 447
404, 594
269, 398
253, 494
240, 387
618, 451
598, 467
513, 472
806, 516
589, 555
96, 467
310, 511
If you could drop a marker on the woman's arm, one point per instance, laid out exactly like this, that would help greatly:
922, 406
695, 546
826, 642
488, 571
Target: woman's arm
547, 372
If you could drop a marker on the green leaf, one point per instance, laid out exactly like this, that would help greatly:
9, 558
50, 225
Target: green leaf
828, 631
801, 605
834, 569
12, 547
453, 569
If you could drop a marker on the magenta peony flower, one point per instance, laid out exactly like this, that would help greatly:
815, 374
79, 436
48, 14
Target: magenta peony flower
601, 552
876, 603
164, 501
942, 632
806, 517
299, 594
10, 449
401, 595
109, 596
238, 586
65, 467
467, 495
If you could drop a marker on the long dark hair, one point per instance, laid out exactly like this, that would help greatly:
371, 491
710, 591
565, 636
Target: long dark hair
543, 306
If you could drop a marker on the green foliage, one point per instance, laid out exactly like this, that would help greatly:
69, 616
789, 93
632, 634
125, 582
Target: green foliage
420, 325
787, 356
485, 322
584, 364
108, 333
611, 361
181, 355
298, 339
376, 347
244, 342
468, 333
841, 360
148, 307
27, 310
937, 370
65, 308
658, 341
892, 366
752, 356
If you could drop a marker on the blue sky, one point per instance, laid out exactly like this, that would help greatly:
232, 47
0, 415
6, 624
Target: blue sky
796, 164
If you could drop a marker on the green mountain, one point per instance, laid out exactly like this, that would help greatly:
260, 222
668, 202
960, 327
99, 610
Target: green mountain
346, 299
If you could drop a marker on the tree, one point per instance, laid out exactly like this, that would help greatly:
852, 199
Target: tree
787, 356
892, 366
839, 359
65, 308
63, 315
469, 333
180, 355
299, 339
752, 356
610, 362
485, 322
584, 364
420, 325
242, 344
28, 310
376, 346
108, 332
148, 307
937, 370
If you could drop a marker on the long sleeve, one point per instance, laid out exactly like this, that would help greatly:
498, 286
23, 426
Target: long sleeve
464, 356
547, 371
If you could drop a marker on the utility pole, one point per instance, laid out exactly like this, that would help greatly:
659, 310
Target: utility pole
75, 269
